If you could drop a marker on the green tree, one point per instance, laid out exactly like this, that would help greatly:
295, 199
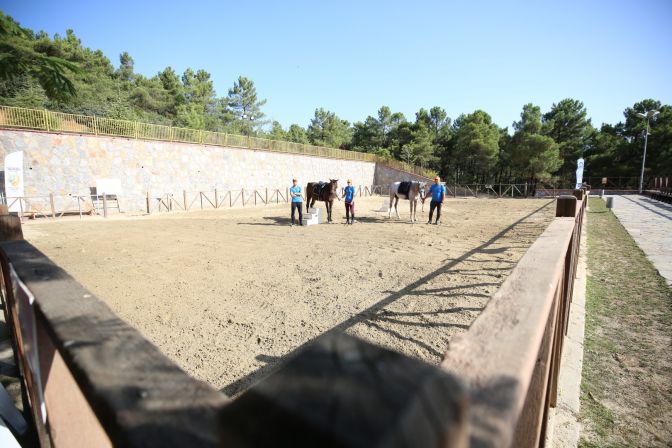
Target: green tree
297, 134
18, 58
245, 106
125, 70
569, 127
534, 155
476, 145
326, 129
276, 132
421, 149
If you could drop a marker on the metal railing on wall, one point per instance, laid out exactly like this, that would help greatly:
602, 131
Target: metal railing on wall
45, 120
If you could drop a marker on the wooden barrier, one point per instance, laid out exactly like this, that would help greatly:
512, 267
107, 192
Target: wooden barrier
95, 381
510, 356
92, 379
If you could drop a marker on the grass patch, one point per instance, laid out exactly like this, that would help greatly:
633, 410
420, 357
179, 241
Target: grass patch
626, 390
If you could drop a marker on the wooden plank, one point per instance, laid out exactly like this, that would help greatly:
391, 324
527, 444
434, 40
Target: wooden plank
342, 391
10, 228
497, 356
4, 210
529, 430
65, 404
140, 397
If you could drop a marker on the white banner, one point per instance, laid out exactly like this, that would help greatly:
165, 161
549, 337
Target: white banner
14, 179
579, 173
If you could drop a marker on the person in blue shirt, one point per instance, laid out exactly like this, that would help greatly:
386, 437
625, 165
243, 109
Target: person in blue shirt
438, 193
297, 200
349, 196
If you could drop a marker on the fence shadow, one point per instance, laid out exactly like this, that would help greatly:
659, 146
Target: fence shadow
652, 210
390, 322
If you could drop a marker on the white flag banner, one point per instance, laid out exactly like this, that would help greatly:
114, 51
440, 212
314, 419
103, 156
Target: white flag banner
14, 180
579, 173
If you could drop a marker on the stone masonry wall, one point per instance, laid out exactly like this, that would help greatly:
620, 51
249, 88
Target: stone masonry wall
65, 164
386, 175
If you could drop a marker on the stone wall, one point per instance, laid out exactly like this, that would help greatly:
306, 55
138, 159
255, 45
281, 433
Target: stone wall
65, 164
386, 175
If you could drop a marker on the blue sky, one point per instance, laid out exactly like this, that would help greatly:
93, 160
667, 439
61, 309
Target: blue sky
351, 57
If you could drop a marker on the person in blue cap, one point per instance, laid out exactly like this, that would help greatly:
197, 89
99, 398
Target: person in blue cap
438, 193
297, 200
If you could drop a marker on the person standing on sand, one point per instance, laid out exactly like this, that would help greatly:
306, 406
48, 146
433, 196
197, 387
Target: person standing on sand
349, 196
297, 201
438, 193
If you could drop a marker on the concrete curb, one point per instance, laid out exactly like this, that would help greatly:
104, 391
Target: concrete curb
564, 427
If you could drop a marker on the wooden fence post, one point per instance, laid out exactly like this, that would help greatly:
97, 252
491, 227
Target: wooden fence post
10, 228
184, 195
104, 205
53, 209
149, 210
266, 195
566, 206
242, 194
216, 201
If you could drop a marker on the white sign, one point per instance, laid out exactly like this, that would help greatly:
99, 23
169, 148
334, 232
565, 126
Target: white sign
108, 186
579, 173
14, 180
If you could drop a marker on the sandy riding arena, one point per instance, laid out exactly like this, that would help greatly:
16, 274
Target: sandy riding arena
228, 294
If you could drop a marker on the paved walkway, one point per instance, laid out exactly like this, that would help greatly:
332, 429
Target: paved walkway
649, 222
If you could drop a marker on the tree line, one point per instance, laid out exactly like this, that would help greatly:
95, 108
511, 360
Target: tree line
59, 73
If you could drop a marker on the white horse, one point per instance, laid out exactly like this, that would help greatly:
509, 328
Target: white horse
417, 190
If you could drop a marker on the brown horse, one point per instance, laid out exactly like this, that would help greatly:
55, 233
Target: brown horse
322, 191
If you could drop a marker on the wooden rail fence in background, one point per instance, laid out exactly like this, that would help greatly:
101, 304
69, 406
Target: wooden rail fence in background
93, 380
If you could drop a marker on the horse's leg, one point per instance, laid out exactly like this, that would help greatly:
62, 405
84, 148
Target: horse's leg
389, 209
330, 207
396, 207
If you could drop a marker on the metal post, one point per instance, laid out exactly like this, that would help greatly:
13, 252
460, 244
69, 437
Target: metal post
46, 119
646, 139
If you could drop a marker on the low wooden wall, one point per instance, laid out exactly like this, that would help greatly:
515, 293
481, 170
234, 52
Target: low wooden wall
93, 380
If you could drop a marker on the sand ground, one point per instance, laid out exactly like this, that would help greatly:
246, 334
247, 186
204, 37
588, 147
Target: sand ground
227, 294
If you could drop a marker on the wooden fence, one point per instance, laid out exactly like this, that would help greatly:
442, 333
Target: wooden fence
93, 380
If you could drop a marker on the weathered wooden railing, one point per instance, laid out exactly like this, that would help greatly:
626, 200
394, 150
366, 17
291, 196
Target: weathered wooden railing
662, 190
510, 356
93, 380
